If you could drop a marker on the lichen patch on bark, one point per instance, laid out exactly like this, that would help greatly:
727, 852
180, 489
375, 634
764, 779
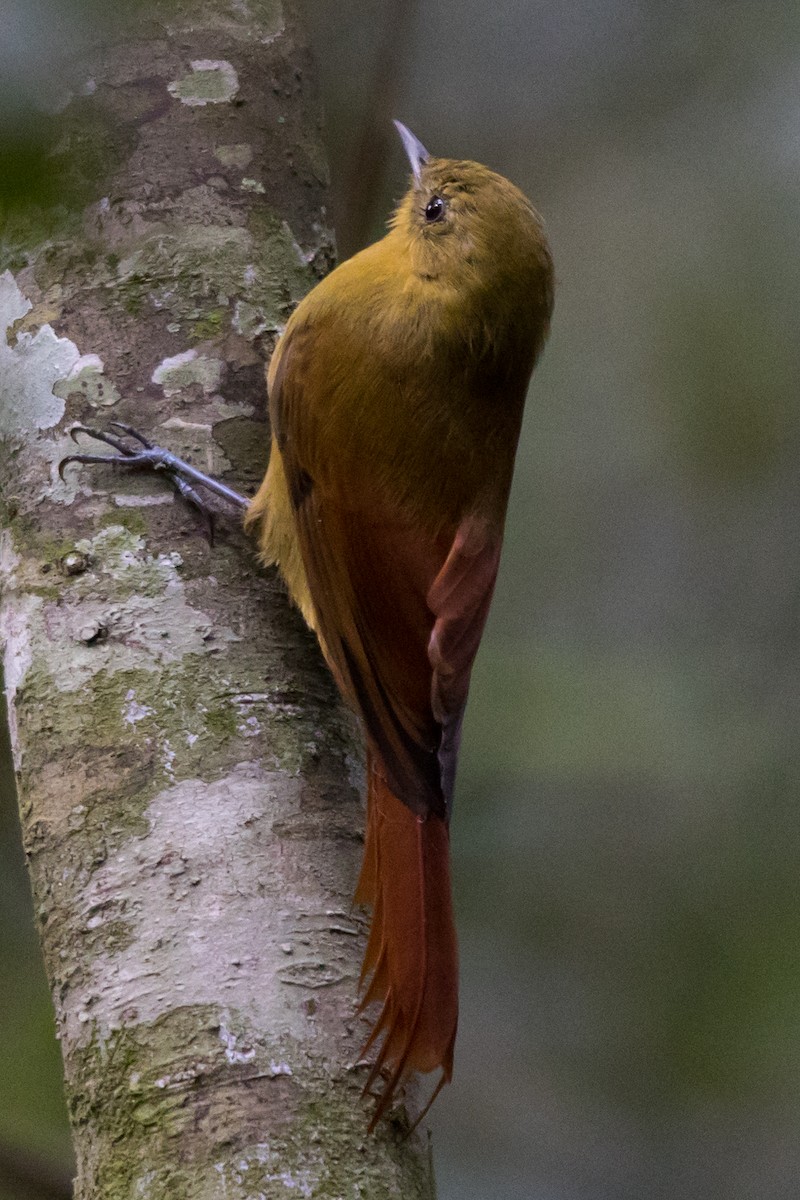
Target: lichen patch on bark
30, 366
212, 81
182, 370
185, 889
87, 379
147, 625
267, 16
238, 155
19, 610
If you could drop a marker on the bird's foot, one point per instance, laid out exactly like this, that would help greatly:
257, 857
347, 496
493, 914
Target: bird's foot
144, 455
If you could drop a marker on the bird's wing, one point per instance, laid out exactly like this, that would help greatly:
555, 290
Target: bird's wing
399, 612
459, 598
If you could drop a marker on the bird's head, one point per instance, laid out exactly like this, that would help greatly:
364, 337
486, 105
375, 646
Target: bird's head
468, 227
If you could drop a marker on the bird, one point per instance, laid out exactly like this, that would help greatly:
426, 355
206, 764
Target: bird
396, 395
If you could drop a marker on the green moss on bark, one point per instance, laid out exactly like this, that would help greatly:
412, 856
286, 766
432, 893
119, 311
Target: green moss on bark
163, 1096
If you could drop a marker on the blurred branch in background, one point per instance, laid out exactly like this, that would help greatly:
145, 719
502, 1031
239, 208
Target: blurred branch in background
24, 148
38, 37
27, 1176
367, 165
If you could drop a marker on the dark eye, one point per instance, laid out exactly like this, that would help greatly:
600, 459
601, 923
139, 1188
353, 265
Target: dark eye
434, 209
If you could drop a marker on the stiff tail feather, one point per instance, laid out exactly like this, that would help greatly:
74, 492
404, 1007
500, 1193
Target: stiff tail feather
411, 961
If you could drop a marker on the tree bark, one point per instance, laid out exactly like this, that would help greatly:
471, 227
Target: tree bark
189, 783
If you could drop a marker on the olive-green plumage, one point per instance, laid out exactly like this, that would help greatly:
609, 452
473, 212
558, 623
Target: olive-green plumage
396, 397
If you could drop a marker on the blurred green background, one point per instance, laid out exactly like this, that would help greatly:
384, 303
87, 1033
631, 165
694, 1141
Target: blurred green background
627, 832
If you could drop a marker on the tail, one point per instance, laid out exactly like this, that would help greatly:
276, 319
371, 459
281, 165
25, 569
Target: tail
412, 958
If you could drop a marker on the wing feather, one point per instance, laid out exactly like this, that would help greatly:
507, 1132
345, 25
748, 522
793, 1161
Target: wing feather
399, 609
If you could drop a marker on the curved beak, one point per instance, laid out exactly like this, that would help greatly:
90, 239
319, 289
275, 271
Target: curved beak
417, 154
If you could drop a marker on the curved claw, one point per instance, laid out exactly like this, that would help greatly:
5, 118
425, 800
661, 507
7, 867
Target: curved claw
99, 436
84, 458
134, 433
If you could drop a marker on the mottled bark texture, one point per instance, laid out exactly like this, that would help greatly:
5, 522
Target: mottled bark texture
189, 784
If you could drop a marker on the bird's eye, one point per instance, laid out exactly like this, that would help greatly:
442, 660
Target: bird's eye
434, 209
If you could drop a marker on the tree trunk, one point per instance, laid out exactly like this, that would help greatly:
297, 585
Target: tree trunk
189, 784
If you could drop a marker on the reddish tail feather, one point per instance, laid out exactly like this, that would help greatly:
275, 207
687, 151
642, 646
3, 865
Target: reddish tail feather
411, 960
